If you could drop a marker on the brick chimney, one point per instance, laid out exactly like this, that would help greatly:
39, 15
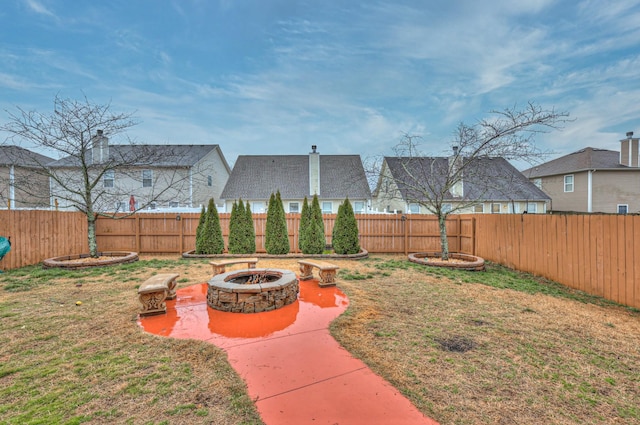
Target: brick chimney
629, 154
314, 171
100, 148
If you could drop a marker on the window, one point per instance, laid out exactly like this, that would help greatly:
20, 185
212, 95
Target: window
358, 207
496, 208
514, 207
568, 183
147, 178
257, 207
121, 206
532, 207
446, 208
153, 206
623, 208
174, 204
414, 209
294, 207
478, 208
209, 181
538, 183
327, 207
108, 178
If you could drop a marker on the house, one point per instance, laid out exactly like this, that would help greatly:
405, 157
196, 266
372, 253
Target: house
332, 177
142, 176
592, 179
23, 184
487, 185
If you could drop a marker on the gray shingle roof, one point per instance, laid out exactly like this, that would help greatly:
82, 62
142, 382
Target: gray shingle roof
158, 155
15, 155
258, 176
490, 179
584, 159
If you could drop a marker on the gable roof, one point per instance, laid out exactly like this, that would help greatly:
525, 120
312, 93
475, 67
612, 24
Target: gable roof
258, 176
158, 155
582, 160
499, 179
21, 157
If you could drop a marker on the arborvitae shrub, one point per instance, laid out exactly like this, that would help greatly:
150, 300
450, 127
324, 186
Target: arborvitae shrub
304, 223
200, 231
213, 243
345, 231
314, 233
236, 233
276, 237
249, 231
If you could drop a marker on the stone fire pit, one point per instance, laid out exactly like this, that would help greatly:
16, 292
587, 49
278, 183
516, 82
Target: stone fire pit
252, 290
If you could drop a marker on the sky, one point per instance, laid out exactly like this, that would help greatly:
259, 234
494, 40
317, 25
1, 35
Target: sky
260, 77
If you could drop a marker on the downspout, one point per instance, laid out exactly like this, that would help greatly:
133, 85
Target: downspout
190, 187
12, 182
589, 190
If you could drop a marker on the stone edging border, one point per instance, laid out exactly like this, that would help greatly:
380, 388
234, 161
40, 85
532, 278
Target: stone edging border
359, 256
119, 257
471, 262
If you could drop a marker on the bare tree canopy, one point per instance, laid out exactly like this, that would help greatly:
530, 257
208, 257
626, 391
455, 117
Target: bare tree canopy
84, 178
476, 169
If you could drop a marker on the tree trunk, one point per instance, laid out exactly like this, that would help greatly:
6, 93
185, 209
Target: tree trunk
444, 242
93, 244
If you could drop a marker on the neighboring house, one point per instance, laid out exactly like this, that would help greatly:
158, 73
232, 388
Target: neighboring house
502, 189
159, 176
22, 182
332, 177
593, 180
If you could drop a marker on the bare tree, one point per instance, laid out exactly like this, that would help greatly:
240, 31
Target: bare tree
444, 185
83, 178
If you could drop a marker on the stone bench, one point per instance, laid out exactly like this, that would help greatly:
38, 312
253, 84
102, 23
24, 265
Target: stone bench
154, 291
220, 266
327, 271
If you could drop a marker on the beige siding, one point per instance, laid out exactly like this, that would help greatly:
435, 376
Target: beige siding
31, 188
567, 201
211, 165
611, 188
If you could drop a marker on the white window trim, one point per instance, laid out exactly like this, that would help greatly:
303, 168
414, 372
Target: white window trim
297, 204
622, 205
478, 205
573, 183
109, 176
499, 207
150, 179
410, 208
535, 207
324, 211
357, 210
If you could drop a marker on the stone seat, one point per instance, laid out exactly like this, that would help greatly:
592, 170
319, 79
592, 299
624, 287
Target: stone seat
154, 291
220, 266
326, 270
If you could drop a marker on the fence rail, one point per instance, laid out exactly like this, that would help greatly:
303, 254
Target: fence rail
597, 254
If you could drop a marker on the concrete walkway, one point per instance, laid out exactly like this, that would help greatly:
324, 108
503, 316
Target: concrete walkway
295, 371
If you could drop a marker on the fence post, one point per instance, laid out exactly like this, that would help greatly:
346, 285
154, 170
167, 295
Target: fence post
473, 236
137, 224
406, 233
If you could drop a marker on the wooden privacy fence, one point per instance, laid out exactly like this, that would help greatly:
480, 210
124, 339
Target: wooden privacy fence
36, 235
176, 233
597, 254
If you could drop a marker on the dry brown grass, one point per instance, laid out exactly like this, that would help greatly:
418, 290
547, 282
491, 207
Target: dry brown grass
529, 359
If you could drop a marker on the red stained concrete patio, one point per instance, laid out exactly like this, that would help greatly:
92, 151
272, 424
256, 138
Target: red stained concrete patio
295, 371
